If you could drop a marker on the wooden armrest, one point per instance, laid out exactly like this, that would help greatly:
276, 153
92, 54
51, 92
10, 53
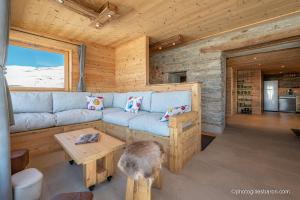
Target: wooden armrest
175, 121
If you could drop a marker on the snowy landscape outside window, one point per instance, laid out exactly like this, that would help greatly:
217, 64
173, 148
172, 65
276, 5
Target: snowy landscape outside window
34, 67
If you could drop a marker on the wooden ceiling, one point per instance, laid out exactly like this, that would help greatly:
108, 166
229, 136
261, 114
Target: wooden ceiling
274, 62
159, 19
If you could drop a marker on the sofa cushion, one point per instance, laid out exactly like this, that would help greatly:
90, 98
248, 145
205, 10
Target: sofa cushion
146, 102
120, 100
32, 121
69, 100
110, 110
76, 116
121, 117
161, 101
31, 102
108, 98
150, 122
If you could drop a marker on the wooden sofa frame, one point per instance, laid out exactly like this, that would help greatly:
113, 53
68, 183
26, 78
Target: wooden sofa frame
184, 140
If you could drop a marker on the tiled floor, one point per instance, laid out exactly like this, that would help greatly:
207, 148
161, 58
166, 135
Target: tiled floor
249, 155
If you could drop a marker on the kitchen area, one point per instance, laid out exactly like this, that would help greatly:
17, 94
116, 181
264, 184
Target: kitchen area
282, 93
264, 80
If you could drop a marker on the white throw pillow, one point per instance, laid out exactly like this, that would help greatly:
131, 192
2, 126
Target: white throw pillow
175, 111
133, 104
95, 103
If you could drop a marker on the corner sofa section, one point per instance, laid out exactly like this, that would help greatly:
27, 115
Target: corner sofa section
53, 112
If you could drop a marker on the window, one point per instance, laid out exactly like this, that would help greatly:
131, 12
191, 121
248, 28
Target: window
36, 67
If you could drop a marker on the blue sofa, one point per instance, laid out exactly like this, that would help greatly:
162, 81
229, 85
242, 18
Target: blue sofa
38, 110
41, 115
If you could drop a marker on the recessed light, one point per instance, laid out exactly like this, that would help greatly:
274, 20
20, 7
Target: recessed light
259, 64
282, 66
174, 43
254, 58
97, 25
60, 1
109, 15
160, 48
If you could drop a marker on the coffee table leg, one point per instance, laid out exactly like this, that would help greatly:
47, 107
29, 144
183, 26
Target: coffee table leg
108, 165
90, 174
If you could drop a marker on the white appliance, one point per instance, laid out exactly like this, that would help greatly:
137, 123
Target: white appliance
271, 96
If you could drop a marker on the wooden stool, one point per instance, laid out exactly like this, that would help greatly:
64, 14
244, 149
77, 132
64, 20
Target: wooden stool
141, 162
19, 160
74, 196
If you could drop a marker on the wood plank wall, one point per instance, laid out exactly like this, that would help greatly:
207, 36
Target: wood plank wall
99, 68
132, 64
100, 61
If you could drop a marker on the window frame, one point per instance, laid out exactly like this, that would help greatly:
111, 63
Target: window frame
67, 64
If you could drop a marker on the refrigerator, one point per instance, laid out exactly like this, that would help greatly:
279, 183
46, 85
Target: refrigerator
271, 96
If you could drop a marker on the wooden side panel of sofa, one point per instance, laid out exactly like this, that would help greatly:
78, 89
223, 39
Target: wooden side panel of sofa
42, 141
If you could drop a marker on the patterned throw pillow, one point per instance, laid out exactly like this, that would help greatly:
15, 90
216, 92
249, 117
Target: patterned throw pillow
174, 111
133, 104
95, 103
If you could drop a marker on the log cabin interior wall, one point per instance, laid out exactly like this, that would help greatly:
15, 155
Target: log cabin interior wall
99, 68
132, 64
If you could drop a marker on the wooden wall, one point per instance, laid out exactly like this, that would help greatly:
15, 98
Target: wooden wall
99, 68
100, 61
132, 64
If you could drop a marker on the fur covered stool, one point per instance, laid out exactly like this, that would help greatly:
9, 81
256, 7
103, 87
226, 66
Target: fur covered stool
141, 162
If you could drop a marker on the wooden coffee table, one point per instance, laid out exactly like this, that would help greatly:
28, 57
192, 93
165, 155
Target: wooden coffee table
89, 155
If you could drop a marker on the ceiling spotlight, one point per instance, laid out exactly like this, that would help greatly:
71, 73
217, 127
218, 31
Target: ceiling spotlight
160, 48
60, 1
254, 58
259, 64
109, 15
282, 66
173, 43
97, 25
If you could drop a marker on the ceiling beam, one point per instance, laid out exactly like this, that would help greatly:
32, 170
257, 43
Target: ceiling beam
167, 43
99, 18
78, 8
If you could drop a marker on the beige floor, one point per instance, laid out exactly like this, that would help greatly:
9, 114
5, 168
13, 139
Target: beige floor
246, 156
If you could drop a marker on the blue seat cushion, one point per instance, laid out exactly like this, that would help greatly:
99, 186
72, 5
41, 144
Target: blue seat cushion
121, 118
161, 101
76, 116
69, 100
146, 102
32, 102
110, 110
32, 121
150, 122
108, 98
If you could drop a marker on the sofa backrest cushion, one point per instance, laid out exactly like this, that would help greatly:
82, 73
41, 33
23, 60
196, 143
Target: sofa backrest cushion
108, 98
161, 101
32, 102
69, 100
146, 102
120, 100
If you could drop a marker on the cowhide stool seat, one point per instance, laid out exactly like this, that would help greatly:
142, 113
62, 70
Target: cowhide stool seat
141, 162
